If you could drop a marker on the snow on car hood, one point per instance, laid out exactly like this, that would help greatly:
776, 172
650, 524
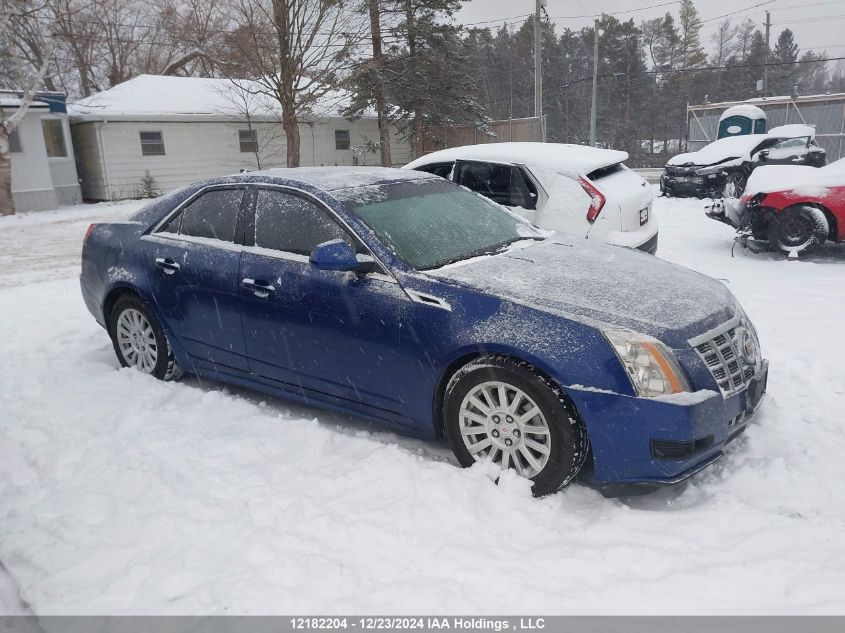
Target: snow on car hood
605, 285
801, 179
720, 150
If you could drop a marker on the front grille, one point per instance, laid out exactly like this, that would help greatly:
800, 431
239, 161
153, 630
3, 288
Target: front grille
723, 357
679, 171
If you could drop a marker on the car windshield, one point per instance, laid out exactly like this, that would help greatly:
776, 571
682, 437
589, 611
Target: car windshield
430, 223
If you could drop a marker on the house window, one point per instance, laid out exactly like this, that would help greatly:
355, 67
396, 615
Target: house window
14, 142
152, 144
341, 139
248, 140
54, 138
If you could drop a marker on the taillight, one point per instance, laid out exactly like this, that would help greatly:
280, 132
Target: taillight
597, 199
88, 232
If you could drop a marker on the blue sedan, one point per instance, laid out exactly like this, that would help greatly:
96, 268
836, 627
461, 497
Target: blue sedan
406, 299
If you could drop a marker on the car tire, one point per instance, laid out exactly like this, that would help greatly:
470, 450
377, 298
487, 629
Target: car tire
139, 340
549, 447
735, 185
799, 229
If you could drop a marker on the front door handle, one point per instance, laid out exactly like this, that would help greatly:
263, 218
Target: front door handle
260, 289
167, 265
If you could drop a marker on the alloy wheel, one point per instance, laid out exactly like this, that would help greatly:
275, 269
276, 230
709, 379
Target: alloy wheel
136, 340
501, 424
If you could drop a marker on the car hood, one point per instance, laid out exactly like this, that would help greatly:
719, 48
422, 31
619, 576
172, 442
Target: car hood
732, 147
802, 180
605, 286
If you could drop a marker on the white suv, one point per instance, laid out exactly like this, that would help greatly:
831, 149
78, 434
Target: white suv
575, 189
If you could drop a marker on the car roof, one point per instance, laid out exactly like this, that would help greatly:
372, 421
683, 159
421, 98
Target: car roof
331, 178
579, 158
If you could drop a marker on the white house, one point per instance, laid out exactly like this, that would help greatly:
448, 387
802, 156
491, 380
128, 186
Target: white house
43, 170
166, 132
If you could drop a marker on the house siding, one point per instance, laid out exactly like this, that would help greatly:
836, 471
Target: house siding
111, 165
40, 182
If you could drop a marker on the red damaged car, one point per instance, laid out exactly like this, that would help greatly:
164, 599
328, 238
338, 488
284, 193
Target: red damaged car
795, 208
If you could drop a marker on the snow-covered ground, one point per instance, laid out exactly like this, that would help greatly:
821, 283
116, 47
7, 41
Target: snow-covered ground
121, 494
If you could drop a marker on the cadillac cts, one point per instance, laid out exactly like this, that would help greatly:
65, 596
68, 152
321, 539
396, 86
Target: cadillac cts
404, 298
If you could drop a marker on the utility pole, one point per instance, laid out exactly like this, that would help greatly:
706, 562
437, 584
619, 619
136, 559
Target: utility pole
595, 83
538, 66
766, 63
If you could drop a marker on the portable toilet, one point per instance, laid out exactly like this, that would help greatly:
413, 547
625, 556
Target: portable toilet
742, 119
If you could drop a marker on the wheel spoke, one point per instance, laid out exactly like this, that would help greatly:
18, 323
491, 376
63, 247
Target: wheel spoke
532, 412
506, 460
513, 407
480, 445
474, 430
491, 456
540, 448
469, 415
479, 405
532, 461
531, 429
518, 464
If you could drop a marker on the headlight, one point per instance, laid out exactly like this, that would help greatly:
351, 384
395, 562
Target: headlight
651, 366
709, 171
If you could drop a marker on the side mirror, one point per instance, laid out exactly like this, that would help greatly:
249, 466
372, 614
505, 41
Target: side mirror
764, 154
338, 255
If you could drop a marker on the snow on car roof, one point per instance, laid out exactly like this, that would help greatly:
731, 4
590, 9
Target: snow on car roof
750, 111
184, 97
335, 178
579, 158
793, 130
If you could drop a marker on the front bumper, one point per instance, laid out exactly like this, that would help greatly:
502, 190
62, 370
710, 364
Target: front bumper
691, 185
641, 444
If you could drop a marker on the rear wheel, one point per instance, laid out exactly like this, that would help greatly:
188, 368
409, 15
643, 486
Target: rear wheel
798, 229
500, 410
139, 340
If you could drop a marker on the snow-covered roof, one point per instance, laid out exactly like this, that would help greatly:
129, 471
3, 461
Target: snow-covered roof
578, 158
749, 111
161, 97
793, 130
12, 99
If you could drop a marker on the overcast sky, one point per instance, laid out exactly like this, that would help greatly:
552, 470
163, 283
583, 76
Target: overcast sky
817, 24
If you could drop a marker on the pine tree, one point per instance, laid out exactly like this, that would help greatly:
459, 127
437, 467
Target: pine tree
783, 74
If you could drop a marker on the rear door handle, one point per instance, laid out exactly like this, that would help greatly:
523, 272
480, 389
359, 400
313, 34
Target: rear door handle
260, 289
167, 265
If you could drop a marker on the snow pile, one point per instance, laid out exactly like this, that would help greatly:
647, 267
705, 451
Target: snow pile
121, 494
793, 130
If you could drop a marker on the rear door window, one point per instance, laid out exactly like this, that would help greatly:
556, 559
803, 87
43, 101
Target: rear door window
212, 215
444, 170
504, 184
292, 224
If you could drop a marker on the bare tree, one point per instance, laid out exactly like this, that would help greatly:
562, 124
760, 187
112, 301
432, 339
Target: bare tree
252, 109
296, 51
8, 12
374, 9
724, 45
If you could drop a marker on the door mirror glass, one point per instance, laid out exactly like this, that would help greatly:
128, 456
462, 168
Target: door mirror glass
339, 255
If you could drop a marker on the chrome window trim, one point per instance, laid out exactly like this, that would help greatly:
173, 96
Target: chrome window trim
384, 275
193, 239
711, 334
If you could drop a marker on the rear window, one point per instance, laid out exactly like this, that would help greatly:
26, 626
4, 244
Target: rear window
604, 172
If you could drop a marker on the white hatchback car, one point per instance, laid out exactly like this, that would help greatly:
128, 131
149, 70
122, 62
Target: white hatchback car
575, 189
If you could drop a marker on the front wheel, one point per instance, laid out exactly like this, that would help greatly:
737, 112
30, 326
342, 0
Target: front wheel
798, 229
139, 340
735, 185
500, 410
